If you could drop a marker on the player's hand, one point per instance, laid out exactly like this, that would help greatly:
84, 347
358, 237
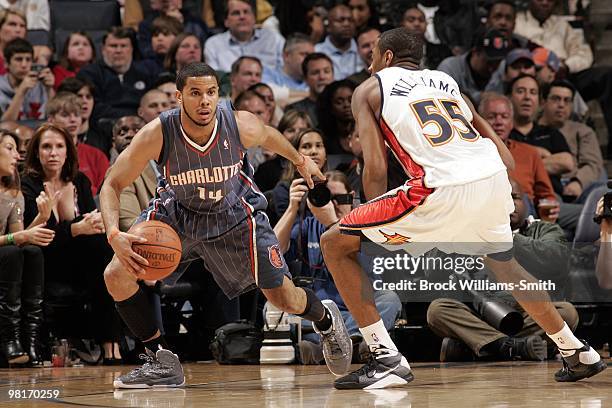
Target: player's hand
297, 190
121, 243
46, 201
38, 235
307, 169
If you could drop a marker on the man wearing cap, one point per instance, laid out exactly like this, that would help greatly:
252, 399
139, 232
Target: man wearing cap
582, 140
473, 70
540, 25
518, 61
547, 65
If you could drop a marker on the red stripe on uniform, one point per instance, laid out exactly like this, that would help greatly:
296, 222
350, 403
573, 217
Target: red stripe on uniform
251, 247
412, 168
387, 209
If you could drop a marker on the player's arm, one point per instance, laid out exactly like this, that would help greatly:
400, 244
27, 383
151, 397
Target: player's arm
145, 146
366, 101
254, 133
484, 128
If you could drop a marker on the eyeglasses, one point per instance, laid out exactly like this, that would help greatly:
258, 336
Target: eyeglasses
342, 199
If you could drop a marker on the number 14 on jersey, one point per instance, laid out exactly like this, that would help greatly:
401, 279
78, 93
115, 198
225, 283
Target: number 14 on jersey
212, 195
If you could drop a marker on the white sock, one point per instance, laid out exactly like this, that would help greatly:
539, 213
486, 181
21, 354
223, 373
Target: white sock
565, 339
376, 334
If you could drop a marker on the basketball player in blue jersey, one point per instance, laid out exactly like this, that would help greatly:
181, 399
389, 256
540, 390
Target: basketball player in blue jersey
457, 196
207, 195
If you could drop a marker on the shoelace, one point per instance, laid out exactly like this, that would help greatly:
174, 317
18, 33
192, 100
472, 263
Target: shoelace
369, 368
149, 361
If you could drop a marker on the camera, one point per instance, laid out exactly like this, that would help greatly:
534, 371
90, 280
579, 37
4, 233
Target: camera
319, 195
607, 206
37, 68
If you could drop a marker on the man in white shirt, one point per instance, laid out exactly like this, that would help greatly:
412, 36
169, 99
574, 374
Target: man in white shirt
540, 25
242, 38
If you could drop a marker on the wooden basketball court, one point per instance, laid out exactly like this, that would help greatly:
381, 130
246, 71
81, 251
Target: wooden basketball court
468, 385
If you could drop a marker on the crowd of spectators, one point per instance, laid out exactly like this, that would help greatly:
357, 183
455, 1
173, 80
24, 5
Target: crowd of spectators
67, 113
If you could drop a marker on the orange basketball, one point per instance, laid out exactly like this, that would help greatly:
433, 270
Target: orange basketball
162, 249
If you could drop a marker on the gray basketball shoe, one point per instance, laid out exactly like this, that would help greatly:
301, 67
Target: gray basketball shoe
337, 344
162, 369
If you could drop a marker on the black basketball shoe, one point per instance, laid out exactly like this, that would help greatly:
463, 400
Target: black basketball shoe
574, 370
386, 368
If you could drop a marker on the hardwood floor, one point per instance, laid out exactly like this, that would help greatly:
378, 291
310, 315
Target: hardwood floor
467, 385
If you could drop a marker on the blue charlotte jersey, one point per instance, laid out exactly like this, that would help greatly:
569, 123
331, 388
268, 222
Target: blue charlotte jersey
212, 184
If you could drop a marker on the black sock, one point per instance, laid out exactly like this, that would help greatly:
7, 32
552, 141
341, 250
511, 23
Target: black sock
156, 343
137, 314
315, 311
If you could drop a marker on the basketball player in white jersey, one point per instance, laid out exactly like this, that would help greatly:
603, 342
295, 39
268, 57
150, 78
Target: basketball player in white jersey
457, 192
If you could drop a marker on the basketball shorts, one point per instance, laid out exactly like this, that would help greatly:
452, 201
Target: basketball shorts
244, 257
469, 219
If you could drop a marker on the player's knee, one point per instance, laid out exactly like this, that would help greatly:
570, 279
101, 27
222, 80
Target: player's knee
335, 243
114, 276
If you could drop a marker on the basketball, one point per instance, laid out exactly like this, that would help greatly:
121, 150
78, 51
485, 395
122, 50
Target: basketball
162, 249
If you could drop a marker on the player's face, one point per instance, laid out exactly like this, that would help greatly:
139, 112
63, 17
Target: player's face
378, 59
199, 99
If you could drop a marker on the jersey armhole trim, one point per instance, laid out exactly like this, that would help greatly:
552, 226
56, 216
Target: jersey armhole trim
382, 95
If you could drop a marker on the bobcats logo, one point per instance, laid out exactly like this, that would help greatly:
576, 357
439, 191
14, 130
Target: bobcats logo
276, 259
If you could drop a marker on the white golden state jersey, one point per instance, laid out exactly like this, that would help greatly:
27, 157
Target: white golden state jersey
428, 126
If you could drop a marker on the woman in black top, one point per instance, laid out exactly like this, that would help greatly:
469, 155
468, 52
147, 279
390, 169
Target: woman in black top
21, 265
76, 257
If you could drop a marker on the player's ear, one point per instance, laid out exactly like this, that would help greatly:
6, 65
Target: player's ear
388, 58
179, 96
